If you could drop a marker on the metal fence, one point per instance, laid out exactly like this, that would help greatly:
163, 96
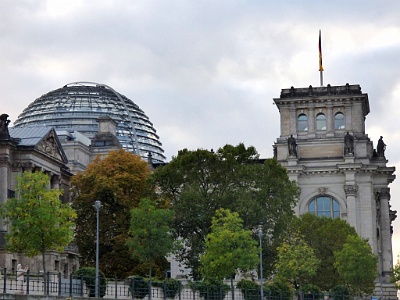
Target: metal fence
57, 285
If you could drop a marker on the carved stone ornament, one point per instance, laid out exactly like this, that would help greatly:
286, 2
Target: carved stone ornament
350, 190
49, 146
4, 122
323, 190
383, 193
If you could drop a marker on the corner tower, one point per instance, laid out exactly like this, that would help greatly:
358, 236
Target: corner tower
324, 147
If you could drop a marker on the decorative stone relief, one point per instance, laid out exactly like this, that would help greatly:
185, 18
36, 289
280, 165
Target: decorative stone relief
382, 193
350, 190
49, 146
323, 190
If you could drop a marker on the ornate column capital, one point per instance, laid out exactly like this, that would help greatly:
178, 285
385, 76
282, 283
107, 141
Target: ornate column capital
382, 193
350, 190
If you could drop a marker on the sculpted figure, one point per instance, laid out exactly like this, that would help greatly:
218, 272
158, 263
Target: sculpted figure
292, 146
20, 277
4, 126
348, 144
381, 147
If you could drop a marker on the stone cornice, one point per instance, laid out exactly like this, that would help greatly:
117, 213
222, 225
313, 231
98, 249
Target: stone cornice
343, 168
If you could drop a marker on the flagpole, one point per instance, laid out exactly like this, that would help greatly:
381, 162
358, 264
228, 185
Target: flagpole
321, 68
321, 78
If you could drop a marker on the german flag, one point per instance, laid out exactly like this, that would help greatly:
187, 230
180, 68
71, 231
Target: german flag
321, 68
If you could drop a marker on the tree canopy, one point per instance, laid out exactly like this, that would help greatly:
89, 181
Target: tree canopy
119, 181
325, 235
396, 273
150, 234
229, 248
197, 183
296, 261
38, 220
357, 265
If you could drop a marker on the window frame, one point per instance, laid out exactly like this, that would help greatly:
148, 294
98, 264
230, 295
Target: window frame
302, 123
320, 210
342, 124
320, 123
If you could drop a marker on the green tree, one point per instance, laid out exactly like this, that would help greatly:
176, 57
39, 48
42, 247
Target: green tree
357, 265
119, 181
229, 248
150, 234
396, 273
296, 261
325, 235
38, 220
197, 183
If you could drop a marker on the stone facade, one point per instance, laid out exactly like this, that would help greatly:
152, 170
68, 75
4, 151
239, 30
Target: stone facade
58, 154
339, 172
35, 149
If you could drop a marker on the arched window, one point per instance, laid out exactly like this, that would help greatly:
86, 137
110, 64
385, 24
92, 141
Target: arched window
302, 123
321, 122
339, 121
324, 206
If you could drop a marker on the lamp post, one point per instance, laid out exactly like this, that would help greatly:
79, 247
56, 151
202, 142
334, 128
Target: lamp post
97, 206
260, 236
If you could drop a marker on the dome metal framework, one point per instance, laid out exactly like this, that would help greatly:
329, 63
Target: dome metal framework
76, 107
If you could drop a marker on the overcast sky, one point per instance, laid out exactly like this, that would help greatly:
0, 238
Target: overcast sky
205, 72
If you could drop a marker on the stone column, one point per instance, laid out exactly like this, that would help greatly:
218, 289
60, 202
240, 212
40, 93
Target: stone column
311, 121
3, 185
293, 120
329, 121
348, 117
352, 206
55, 181
385, 235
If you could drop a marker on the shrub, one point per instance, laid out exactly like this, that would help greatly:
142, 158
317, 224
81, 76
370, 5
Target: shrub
138, 287
250, 289
211, 291
339, 292
278, 290
170, 286
312, 292
88, 275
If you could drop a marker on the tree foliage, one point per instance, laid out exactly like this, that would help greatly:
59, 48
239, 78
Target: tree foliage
296, 261
88, 275
197, 183
396, 273
150, 234
357, 265
229, 248
325, 235
119, 181
38, 220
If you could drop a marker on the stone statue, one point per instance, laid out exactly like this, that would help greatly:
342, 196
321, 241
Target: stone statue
20, 277
381, 147
348, 144
292, 146
4, 134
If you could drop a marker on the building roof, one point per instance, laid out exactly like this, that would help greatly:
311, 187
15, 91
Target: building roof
29, 136
39, 137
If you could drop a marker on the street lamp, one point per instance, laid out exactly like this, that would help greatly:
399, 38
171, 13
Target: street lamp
97, 206
260, 236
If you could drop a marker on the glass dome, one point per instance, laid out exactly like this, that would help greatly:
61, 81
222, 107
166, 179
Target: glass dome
77, 106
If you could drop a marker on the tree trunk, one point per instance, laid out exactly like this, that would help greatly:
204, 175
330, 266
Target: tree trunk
44, 271
150, 279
